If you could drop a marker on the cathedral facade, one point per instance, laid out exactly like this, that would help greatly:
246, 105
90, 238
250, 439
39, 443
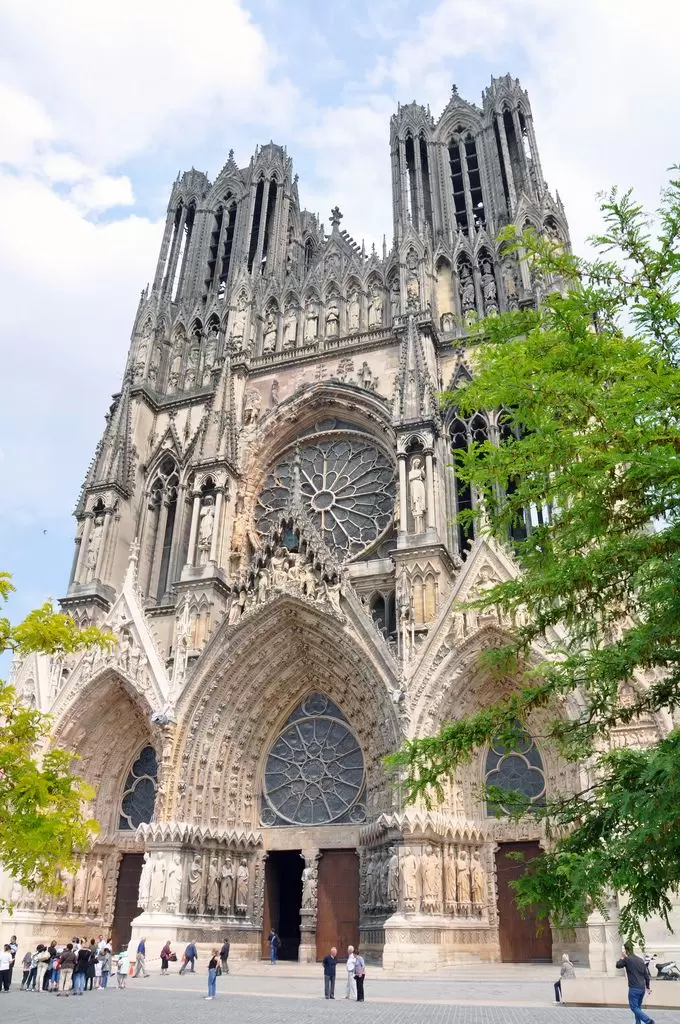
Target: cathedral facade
267, 529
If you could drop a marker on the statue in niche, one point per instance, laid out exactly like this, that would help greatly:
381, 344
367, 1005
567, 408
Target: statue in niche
205, 531
412, 282
384, 877
252, 404
238, 324
467, 289
311, 320
395, 297
269, 333
191, 375
447, 322
173, 888
142, 352
331, 593
393, 877
145, 881
488, 284
66, 879
510, 281
95, 889
416, 483
274, 393
158, 880
195, 881
353, 311
227, 886
450, 879
210, 352
375, 307
278, 562
213, 894
242, 886
262, 586
308, 578
79, 888
93, 545
154, 365
309, 887
365, 375
432, 882
222, 291
175, 369
332, 318
477, 880
463, 881
409, 875
237, 606
289, 328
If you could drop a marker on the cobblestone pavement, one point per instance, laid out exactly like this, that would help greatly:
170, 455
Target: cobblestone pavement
287, 999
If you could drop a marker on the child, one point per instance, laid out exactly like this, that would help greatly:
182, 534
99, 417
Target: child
122, 965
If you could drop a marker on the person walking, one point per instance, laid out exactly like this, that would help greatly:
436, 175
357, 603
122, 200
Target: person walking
359, 974
26, 968
67, 962
274, 945
224, 955
165, 957
122, 967
6, 961
106, 960
140, 961
351, 992
567, 973
212, 975
330, 962
190, 957
639, 982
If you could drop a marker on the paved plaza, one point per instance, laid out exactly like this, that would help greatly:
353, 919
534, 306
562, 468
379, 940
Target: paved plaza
253, 994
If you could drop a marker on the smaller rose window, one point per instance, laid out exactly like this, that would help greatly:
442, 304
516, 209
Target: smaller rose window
139, 795
517, 770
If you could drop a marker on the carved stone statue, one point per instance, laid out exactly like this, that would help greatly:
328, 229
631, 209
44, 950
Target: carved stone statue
289, 328
252, 404
274, 393
154, 365
175, 368
488, 284
332, 318
371, 895
242, 886
432, 880
311, 320
393, 877
227, 886
269, 335
447, 322
95, 889
450, 891
192, 366
309, 887
478, 880
463, 881
93, 545
158, 880
145, 882
213, 894
238, 324
416, 483
395, 297
467, 289
510, 281
412, 283
205, 531
409, 875
236, 608
353, 311
195, 881
66, 879
79, 887
210, 352
308, 580
375, 307
365, 375
173, 887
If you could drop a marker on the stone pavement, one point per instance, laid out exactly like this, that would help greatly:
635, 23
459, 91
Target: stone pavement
497, 994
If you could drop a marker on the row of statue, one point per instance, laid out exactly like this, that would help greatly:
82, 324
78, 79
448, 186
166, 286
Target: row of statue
222, 889
284, 570
451, 880
82, 893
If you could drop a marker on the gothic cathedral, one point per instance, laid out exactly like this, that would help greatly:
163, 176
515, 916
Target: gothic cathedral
267, 528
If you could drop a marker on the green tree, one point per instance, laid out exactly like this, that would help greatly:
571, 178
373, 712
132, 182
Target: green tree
41, 800
589, 385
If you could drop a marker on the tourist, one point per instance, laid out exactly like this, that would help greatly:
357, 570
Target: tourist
212, 975
224, 955
165, 956
106, 964
6, 961
80, 970
100, 945
122, 966
14, 946
639, 981
140, 962
55, 968
26, 968
91, 966
33, 970
274, 945
329, 964
67, 963
351, 992
567, 972
42, 960
190, 957
359, 974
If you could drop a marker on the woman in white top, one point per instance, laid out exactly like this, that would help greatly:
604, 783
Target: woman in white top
6, 961
351, 983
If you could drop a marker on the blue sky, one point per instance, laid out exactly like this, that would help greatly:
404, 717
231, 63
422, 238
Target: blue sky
101, 105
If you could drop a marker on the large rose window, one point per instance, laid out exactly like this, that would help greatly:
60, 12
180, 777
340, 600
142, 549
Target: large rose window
517, 770
315, 770
347, 485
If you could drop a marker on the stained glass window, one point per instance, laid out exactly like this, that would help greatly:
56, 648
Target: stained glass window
315, 769
347, 484
516, 769
139, 795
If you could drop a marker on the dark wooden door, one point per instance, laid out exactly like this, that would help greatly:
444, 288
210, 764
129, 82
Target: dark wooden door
127, 894
337, 922
520, 940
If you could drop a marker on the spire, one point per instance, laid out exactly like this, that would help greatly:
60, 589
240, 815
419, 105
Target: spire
416, 394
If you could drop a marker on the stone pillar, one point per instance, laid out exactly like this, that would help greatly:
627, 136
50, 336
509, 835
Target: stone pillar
419, 184
84, 541
429, 490
466, 187
174, 252
158, 549
101, 555
216, 525
257, 264
191, 553
403, 182
520, 146
310, 874
403, 497
506, 160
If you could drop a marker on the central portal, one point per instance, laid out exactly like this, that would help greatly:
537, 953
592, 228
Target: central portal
282, 901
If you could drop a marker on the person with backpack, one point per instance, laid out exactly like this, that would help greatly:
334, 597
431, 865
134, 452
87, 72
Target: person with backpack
165, 956
359, 974
224, 955
67, 963
274, 946
190, 957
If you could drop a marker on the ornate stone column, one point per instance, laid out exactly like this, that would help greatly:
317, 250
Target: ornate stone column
84, 541
196, 508
429, 490
216, 525
403, 497
310, 878
505, 156
103, 547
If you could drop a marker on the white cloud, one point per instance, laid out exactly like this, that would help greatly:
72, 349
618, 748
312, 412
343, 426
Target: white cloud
102, 193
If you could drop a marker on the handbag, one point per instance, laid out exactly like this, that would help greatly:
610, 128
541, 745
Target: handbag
218, 972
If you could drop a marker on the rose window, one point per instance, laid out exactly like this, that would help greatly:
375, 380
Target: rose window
517, 770
139, 795
347, 485
315, 770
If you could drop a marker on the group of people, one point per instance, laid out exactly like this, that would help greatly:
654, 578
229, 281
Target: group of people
356, 972
66, 970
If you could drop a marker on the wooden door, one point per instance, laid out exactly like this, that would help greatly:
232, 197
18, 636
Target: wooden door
519, 939
337, 922
127, 894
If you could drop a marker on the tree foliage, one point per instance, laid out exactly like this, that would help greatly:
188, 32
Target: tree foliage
589, 385
41, 800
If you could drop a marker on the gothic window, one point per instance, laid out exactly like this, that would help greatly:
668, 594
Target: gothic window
255, 227
412, 184
466, 183
163, 505
347, 485
518, 530
314, 773
425, 172
309, 254
268, 224
515, 769
458, 185
139, 794
182, 256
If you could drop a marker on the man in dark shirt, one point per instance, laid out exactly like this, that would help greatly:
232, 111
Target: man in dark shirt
329, 963
639, 981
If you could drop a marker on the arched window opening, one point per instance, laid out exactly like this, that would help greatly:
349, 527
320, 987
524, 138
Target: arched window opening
182, 259
474, 178
526, 142
463, 492
213, 248
518, 529
268, 224
501, 162
227, 243
516, 769
309, 254
412, 185
139, 792
163, 506
458, 185
174, 242
427, 188
391, 614
378, 611
513, 149
255, 229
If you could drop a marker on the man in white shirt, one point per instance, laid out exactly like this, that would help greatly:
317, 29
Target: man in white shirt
351, 983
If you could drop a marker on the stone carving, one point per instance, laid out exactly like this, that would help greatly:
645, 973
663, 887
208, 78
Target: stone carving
227, 886
353, 311
412, 282
192, 365
463, 892
93, 546
416, 483
393, 877
95, 889
145, 882
274, 393
173, 887
176, 365
450, 890
142, 352
64, 900
195, 882
366, 378
158, 880
409, 875
489, 286
242, 887
309, 883
432, 880
375, 307
210, 352
332, 317
477, 881
311, 320
154, 365
289, 328
509, 276
252, 404
269, 334
238, 324
395, 297
213, 893
467, 289
79, 887
205, 531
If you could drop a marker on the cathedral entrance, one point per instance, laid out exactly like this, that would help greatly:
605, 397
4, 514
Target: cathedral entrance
127, 895
520, 941
338, 902
283, 901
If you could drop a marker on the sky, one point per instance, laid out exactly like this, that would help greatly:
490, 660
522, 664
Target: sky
102, 104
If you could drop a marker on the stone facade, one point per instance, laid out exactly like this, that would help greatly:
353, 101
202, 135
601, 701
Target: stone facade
266, 527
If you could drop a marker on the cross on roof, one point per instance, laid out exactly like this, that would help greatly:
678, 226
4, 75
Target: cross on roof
336, 217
